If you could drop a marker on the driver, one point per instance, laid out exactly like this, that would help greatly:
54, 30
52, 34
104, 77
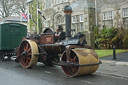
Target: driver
60, 33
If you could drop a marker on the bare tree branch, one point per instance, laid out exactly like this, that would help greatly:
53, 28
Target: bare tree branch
12, 7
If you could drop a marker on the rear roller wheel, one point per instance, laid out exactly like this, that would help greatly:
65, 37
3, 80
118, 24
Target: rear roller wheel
27, 51
80, 56
70, 70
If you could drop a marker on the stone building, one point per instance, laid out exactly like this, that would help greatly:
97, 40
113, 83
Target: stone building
112, 13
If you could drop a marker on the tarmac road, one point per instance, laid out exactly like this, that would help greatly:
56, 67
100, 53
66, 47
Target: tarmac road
12, 73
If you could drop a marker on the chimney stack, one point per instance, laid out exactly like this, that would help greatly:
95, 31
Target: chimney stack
68, 11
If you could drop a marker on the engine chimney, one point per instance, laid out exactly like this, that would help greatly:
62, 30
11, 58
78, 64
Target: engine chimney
68, 11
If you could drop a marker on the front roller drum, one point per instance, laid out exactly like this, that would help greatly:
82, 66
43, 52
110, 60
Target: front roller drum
27, 51
80, 57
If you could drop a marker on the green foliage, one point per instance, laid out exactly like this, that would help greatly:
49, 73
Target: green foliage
103, 39
97, 37
96, 31
33, 11
109, 37
108, 32
121, 39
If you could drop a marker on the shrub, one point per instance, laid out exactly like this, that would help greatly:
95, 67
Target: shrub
103, 39
121, 38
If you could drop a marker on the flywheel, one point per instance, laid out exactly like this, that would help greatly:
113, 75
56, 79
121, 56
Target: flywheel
28, 49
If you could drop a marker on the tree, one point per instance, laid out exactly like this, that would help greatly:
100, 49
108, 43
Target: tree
12, 7
21, 6
7, 8
36, 18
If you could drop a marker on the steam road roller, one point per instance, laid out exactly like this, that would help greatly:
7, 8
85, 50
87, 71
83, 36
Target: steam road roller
71, 53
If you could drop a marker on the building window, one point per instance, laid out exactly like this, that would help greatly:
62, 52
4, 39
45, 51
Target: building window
125, 12
47, 24
74, 29
73, 26
81, 27
77, 23
125, 22
60, 20
73, 19
77, 28
104, 16
77, 18
81, 18
108, 15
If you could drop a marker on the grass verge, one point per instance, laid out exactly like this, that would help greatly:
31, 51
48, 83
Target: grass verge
107, 52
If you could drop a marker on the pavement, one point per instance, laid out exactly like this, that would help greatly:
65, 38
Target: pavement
119, 57
118, 67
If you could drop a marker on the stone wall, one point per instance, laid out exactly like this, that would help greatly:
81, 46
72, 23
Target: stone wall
91, 25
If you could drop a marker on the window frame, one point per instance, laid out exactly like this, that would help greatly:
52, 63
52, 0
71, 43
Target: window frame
125, 12
108, 15
73, 19
47, 23
81, 18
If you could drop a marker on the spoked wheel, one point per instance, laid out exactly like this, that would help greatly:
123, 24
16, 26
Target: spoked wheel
27, 51
80, 57
70, 70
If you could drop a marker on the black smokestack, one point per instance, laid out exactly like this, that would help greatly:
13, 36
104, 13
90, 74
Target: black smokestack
68, 11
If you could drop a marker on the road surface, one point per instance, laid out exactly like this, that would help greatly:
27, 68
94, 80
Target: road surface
12, 73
